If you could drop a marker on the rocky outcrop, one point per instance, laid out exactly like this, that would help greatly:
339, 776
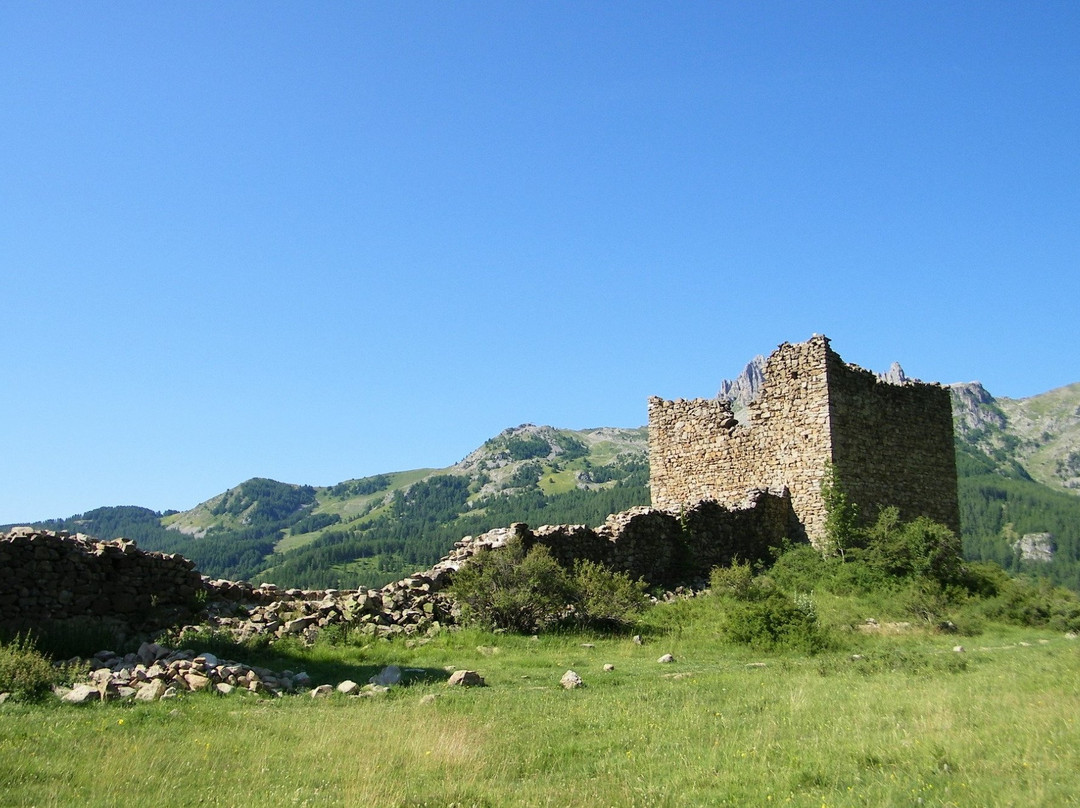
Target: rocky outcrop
1035, 547
975, 409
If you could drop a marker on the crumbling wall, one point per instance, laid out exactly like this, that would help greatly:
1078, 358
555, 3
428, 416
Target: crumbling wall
669, 548
50, 576
891, 444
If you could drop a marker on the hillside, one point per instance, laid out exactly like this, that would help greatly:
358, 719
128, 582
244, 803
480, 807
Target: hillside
1018, 462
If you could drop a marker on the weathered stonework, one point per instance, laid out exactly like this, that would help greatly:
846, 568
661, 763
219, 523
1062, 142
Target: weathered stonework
890, 444
47, 576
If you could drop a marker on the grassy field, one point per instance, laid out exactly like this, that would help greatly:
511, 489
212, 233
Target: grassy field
908, 722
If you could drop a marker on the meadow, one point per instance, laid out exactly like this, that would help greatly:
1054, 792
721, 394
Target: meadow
896, 717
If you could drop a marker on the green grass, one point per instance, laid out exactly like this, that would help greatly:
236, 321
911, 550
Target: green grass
909, 723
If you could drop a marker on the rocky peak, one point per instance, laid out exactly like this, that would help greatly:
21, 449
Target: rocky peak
746, 385
974, 408
894, 375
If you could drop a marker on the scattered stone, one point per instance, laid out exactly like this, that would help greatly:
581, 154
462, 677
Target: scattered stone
571, 680
150, 652
348, 687
487, 650
666, 659
959, 649
638, 640
196, 681
756, 665
322, 692
588, 645
609, 667
428, 698
464, 678
4, 697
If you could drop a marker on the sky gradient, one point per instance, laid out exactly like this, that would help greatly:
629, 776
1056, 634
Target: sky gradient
316, 242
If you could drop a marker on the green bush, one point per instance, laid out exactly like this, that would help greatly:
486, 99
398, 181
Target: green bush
920, 548
606, 599
777, 621
1035, 602
511, 589
25, 672
801, 568
529, 591
736, 582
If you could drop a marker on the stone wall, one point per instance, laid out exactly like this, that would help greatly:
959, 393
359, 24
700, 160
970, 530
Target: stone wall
47, 576
891, 444
669, 548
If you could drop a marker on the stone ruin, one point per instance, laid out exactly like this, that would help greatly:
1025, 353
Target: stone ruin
889, 440
722, 490
48, 577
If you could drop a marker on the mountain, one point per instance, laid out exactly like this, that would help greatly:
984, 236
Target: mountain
1041, 433
1018, 463
377, 529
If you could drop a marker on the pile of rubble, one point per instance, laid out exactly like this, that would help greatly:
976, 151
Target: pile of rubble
155, 672
416, 605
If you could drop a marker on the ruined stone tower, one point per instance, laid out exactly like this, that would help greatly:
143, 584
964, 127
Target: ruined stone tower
890, 444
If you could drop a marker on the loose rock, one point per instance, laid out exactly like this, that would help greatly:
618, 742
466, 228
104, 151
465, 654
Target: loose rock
571, 680
465, 678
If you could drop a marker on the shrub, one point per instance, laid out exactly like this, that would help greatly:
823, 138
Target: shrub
735, 582
25, 672
841, 514
511, 589
1030, 602
921, 548
985, 579
801, 567
606, 599
529, 591
777, 621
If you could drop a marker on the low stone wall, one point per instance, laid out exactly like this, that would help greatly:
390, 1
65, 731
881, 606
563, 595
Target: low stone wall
48, 576
668, 548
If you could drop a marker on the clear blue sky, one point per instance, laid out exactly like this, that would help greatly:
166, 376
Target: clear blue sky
320, 241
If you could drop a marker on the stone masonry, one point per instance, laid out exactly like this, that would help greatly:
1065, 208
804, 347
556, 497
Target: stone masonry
48, 576
889, 444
